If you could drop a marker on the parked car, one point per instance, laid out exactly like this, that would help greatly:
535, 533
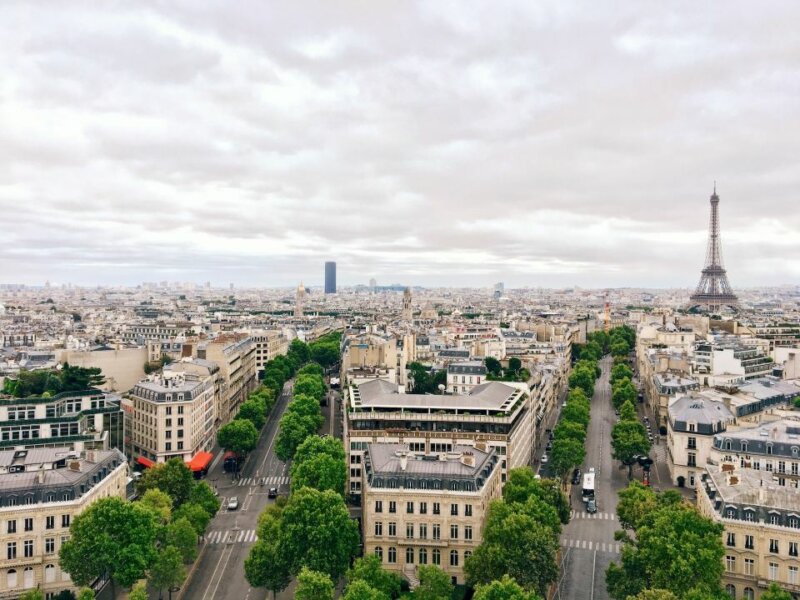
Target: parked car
591, 506
549, 446
576, 477
544, 459
272, 493
233, 503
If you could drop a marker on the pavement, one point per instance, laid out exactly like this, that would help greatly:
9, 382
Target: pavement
230, 535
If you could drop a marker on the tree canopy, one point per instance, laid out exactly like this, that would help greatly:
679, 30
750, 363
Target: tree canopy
503, 589
239, 436
369, 569
629, 439
320, 463
173, 477
434, 584
313, 585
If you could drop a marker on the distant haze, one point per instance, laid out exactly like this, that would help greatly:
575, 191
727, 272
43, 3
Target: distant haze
431, 143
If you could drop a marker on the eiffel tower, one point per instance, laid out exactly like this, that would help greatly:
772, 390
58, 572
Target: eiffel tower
714, 291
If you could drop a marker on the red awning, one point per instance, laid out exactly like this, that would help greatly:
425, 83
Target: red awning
145, 462
201, 461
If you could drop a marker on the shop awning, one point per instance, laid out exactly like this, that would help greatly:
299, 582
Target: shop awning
201, 461
145, 462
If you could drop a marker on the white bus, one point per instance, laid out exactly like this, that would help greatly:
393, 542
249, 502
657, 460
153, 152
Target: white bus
588, 486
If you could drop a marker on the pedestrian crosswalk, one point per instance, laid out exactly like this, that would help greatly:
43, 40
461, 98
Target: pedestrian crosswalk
235, 536
274, 480
581, 514
611, 547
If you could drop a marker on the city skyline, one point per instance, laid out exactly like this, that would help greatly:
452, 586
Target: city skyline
436, 145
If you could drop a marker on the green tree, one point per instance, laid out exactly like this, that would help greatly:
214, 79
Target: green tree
521, 484
493, 366
566, 454
369, 569
311, 369
255, 411
266, 566
503, 589
111, 537
326, 354
313, 585
570, 430
629, 439
167, 570
774, 592
592, 351
514, 364
310, 385
306, 406
158, 502
620, 348
320, 463
139, 592
317, 532
583, 379
181, 535
518, 546
203, 495
35, 594
195, 514
239, 436
299, 349
361, 590
627, 412
635, 503
655, 595
620, 371
172, 477
434, 584
88, 594
623, 392
576, 413
676, 549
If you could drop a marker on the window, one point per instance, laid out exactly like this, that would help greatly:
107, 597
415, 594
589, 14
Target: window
423, 556
409, 531
692, 428
49, 545
781, 466
748, 542
11, 527
730, 564
410, 508
691, 459
437, 532
65, 520
468, 510
168, 446
392, 555
730, 590
468, 532
774, 519
11, 550
392, 506
793, 575
423, 508
749, 515
731, 539
423, 531
454, 558
180, 433
773, 546
692, 443
749, 594
436, 556
28, 524
792, 548
392, 529
28, 548
453, 532
50, 573
749, 566
409, 556
769, 448
436, 508
379, 552
454, 510
773, 571
793, 522
50, 522
168, 424
180, 445
378, 528
11, 578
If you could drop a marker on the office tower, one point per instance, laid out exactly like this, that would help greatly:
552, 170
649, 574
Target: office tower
330, 277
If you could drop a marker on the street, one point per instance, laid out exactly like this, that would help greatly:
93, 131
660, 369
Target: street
220, 573
587, 542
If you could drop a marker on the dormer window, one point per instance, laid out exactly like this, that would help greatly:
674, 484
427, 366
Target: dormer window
730, 513
744, 446
727, 444
769, 448
692, 427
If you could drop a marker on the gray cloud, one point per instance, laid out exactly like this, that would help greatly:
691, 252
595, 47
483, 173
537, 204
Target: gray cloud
452, 143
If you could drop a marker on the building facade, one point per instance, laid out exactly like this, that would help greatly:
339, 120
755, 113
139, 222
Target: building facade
462, 377
235, 355
424, 508
41, 492
762, 529
330, 277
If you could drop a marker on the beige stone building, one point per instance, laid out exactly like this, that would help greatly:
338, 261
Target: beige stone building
498, 415
173, 416
41, 492
762, 529
426, 507
268, 345
235, 355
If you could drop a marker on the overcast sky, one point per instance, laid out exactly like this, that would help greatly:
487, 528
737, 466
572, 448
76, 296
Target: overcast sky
432, 143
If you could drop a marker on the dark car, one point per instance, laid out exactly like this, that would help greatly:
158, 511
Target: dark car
272, 493
549, 446
576, 477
